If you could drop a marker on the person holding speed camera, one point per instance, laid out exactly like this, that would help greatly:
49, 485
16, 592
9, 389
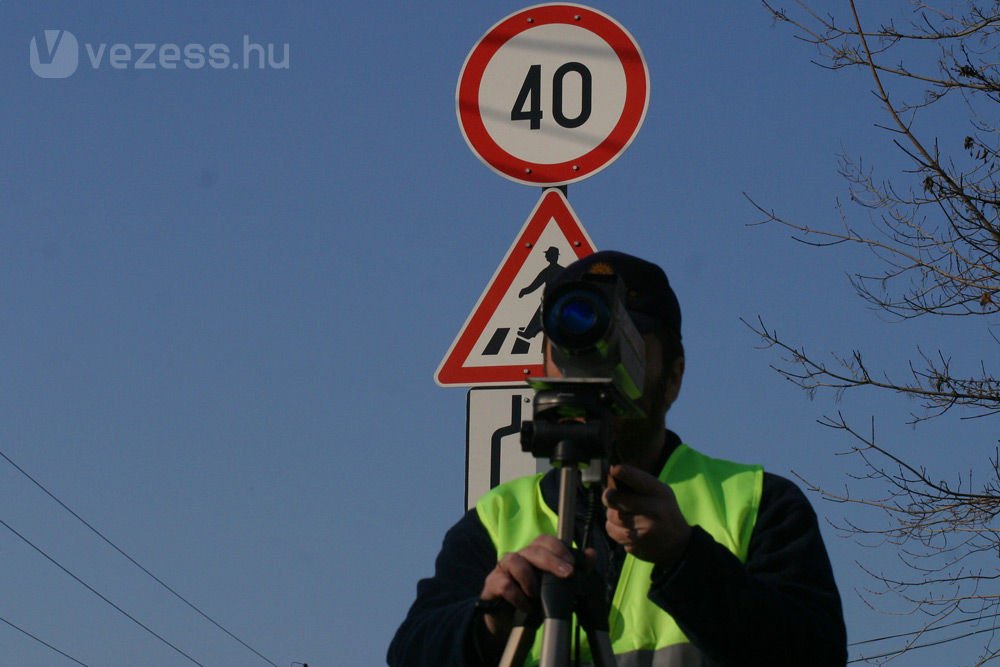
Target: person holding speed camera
700, 561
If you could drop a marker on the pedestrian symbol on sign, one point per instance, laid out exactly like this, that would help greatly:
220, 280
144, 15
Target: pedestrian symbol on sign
522, 341
499, 342
534, 327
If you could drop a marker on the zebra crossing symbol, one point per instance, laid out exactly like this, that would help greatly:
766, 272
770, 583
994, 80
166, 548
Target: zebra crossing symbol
501, 340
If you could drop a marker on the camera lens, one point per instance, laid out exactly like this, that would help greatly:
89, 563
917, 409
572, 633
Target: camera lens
577, 316
577, 319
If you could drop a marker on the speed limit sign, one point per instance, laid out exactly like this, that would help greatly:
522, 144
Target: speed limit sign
552, 94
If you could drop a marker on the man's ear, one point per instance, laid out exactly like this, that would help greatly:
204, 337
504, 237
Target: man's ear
550, 368
673, 380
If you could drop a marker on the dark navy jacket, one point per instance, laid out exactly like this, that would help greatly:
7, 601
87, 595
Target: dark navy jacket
779, 608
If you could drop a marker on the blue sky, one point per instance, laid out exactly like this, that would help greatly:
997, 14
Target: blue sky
224, 293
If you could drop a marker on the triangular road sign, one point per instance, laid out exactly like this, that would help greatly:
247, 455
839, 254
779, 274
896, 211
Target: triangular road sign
501, 341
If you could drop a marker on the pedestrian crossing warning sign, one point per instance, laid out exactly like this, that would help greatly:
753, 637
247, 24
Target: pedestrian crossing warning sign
501, 340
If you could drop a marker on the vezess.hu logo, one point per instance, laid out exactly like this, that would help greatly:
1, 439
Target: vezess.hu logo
55, 54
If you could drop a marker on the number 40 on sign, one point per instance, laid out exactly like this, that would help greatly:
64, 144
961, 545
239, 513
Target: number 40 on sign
582, 94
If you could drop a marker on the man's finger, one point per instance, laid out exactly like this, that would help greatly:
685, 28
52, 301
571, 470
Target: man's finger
619, 533
521, 572
631, 503
620, 518
559, 564
511, 591
589, 558
554, 545
549, 554
629, 479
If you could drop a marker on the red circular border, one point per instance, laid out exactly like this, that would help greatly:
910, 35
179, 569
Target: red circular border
561, 173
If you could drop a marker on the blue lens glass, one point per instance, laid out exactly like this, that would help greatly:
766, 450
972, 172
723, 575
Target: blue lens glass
577, 317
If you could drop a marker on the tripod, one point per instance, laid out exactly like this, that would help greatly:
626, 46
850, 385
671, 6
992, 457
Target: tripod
571, 428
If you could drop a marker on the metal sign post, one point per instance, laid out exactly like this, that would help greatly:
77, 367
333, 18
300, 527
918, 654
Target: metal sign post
550, 95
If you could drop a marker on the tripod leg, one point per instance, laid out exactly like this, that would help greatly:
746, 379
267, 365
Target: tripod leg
600, 648
558, 599
592, 612
522, 636
556, 642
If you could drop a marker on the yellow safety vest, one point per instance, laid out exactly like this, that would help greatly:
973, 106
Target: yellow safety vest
720, 496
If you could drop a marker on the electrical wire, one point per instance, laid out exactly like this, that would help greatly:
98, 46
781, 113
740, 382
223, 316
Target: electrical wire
972, 619
134, 561
42, 642
96, 592
922, 632
925, 645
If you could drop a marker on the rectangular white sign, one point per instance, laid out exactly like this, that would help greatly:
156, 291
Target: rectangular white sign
493, 452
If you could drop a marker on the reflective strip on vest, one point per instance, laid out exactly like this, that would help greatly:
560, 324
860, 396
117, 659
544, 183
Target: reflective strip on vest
677, 655
719, 496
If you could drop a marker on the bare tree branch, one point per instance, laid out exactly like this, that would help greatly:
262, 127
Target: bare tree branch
933, 230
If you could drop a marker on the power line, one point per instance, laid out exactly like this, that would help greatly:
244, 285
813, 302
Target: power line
911, 647
42, 642
916, 646
134, 561
972, 619
96, 592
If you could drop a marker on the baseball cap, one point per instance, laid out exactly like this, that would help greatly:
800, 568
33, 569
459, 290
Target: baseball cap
649, 299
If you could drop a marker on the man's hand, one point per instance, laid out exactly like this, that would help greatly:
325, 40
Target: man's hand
643, 516
516, 579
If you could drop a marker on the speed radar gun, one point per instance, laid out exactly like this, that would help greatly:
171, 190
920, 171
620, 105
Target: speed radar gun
601, 357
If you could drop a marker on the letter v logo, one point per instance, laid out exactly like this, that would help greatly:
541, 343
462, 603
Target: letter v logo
56, 55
